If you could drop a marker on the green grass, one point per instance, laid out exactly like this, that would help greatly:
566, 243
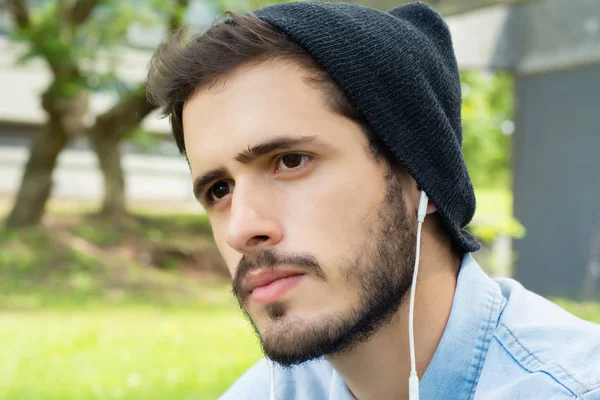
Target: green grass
94, 322
135, 352
123, 353
588, 311
134, 261
74, 328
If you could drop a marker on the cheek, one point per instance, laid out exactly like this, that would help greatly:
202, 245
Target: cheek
230, 256
333, 213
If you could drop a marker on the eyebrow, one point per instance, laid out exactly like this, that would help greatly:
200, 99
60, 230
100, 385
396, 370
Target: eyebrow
251, 154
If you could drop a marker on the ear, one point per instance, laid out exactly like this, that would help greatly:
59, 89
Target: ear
431, 208
412, 189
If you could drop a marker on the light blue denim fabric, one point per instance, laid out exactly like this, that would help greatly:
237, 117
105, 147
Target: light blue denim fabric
502, 342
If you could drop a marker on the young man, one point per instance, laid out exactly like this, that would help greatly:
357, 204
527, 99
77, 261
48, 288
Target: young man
312, 131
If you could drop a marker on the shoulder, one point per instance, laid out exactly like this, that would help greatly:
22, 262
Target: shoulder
545, 350
308, 381
254, 382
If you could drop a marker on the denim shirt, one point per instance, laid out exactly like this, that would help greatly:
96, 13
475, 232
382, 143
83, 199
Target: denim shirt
501, 342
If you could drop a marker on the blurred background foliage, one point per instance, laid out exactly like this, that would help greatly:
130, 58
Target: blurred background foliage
487, 127
487, 112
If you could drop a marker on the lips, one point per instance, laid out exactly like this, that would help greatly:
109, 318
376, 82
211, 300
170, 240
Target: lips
267, 285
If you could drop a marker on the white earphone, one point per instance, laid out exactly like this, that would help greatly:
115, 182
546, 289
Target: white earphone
413, 380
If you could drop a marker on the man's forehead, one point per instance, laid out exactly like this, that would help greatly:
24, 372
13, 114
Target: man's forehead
253, 106
215, 133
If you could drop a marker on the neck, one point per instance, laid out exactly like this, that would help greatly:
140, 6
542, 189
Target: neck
379, 367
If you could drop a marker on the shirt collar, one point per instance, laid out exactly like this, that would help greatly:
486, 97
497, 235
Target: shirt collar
456, 365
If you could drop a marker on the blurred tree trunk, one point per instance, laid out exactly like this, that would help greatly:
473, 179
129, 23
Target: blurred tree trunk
107, 147
65, 101
53, 37
36, 182
65, 120
106, 135
114, 125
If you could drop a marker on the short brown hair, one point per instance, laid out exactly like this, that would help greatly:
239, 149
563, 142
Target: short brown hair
182, 65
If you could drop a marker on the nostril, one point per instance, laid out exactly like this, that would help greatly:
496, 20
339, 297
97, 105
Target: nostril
258, 239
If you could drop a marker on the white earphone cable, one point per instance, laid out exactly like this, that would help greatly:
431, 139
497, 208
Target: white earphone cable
272, 379
413, 380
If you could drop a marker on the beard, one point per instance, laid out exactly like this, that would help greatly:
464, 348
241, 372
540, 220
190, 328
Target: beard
381, 271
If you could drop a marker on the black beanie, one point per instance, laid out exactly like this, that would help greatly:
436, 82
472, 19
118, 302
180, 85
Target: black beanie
398, 68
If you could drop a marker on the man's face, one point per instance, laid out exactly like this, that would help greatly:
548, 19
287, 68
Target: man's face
314, 231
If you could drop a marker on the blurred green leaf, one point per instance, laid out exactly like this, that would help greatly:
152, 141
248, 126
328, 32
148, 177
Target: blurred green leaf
144, 140
489, 229
27, 56
487, 125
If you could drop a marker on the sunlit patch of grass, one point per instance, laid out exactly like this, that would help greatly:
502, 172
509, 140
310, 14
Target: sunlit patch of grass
88, 323
123, 353
589, 311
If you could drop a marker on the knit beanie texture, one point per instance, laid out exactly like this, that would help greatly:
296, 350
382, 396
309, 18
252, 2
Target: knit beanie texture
398, 68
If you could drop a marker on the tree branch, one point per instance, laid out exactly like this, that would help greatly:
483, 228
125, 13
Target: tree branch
81, 11
20, 12
178, 14
124, 116
37, 38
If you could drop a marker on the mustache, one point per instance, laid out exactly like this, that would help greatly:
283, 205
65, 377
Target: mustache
271, 259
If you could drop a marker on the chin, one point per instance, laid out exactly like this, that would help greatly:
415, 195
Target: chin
289, 342
290, 338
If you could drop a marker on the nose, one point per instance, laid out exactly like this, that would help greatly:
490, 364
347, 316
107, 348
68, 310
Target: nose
252, 225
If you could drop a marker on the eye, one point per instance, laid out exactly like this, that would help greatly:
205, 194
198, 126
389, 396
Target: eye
218, 191
291, 161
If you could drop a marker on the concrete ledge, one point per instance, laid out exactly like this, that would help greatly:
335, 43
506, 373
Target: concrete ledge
529, 38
